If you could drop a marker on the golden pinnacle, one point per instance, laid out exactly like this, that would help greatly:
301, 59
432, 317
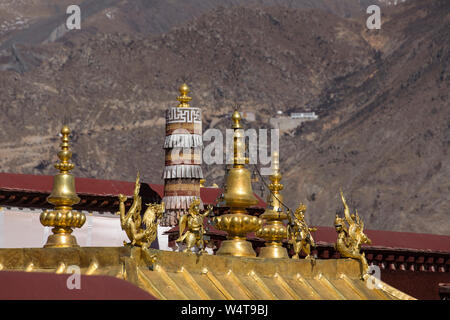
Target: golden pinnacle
236, 118
63, 197
183, 98
65, 154
274, 231
238, 196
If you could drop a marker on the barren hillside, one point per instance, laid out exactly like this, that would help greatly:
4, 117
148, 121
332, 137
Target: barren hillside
382, 98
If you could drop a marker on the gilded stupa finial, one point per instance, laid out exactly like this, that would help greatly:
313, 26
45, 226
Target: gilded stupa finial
274, 231
183, 98
276, 175
239, 158
62, 218
236, 118
64, 154
238, 197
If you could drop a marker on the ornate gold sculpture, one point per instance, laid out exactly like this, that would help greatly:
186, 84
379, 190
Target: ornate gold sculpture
192, 223
141, 232
299, 233
238, 196
350, 239
274, 231
63, 197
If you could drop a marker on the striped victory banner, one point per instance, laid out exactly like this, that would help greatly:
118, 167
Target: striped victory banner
183, 156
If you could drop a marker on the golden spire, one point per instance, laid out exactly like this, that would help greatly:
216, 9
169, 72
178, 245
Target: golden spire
274, 231
236, 118
238, 196
63, 197
183, 98
65, 154
238, 142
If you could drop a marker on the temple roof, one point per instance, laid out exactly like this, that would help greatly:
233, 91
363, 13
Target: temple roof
85, 186
178, 275
89, 189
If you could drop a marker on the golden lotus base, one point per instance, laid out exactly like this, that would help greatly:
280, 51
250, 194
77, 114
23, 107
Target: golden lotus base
273, 252
237, 248
61, 240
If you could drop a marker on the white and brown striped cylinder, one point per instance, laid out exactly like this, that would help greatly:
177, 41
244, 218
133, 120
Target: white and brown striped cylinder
183, 156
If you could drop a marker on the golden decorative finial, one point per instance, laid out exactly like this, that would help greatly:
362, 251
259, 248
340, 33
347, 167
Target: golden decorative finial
183, 98
238, 196
274, 231
352, 237
63, 197
65, 154
239, 158
236, 118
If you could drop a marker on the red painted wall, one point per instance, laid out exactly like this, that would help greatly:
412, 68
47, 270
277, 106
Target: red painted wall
420, 285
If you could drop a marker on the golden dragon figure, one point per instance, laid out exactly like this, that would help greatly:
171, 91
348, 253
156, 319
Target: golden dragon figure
192, 223
352, 237
141, 231
299, 234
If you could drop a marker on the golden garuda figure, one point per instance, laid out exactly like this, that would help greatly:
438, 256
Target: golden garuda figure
191, 227
141, 231
352, 237
299, 234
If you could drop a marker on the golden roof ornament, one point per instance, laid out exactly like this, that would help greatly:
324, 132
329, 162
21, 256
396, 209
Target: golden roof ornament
183, 98
238, 196
351, 237
299, 234
236, 118
192, 223
141, 231
63, 197
274, 231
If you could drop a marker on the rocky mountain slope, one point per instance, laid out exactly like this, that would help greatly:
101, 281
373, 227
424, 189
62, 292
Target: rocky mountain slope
137, 16
382, 98
386, 137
